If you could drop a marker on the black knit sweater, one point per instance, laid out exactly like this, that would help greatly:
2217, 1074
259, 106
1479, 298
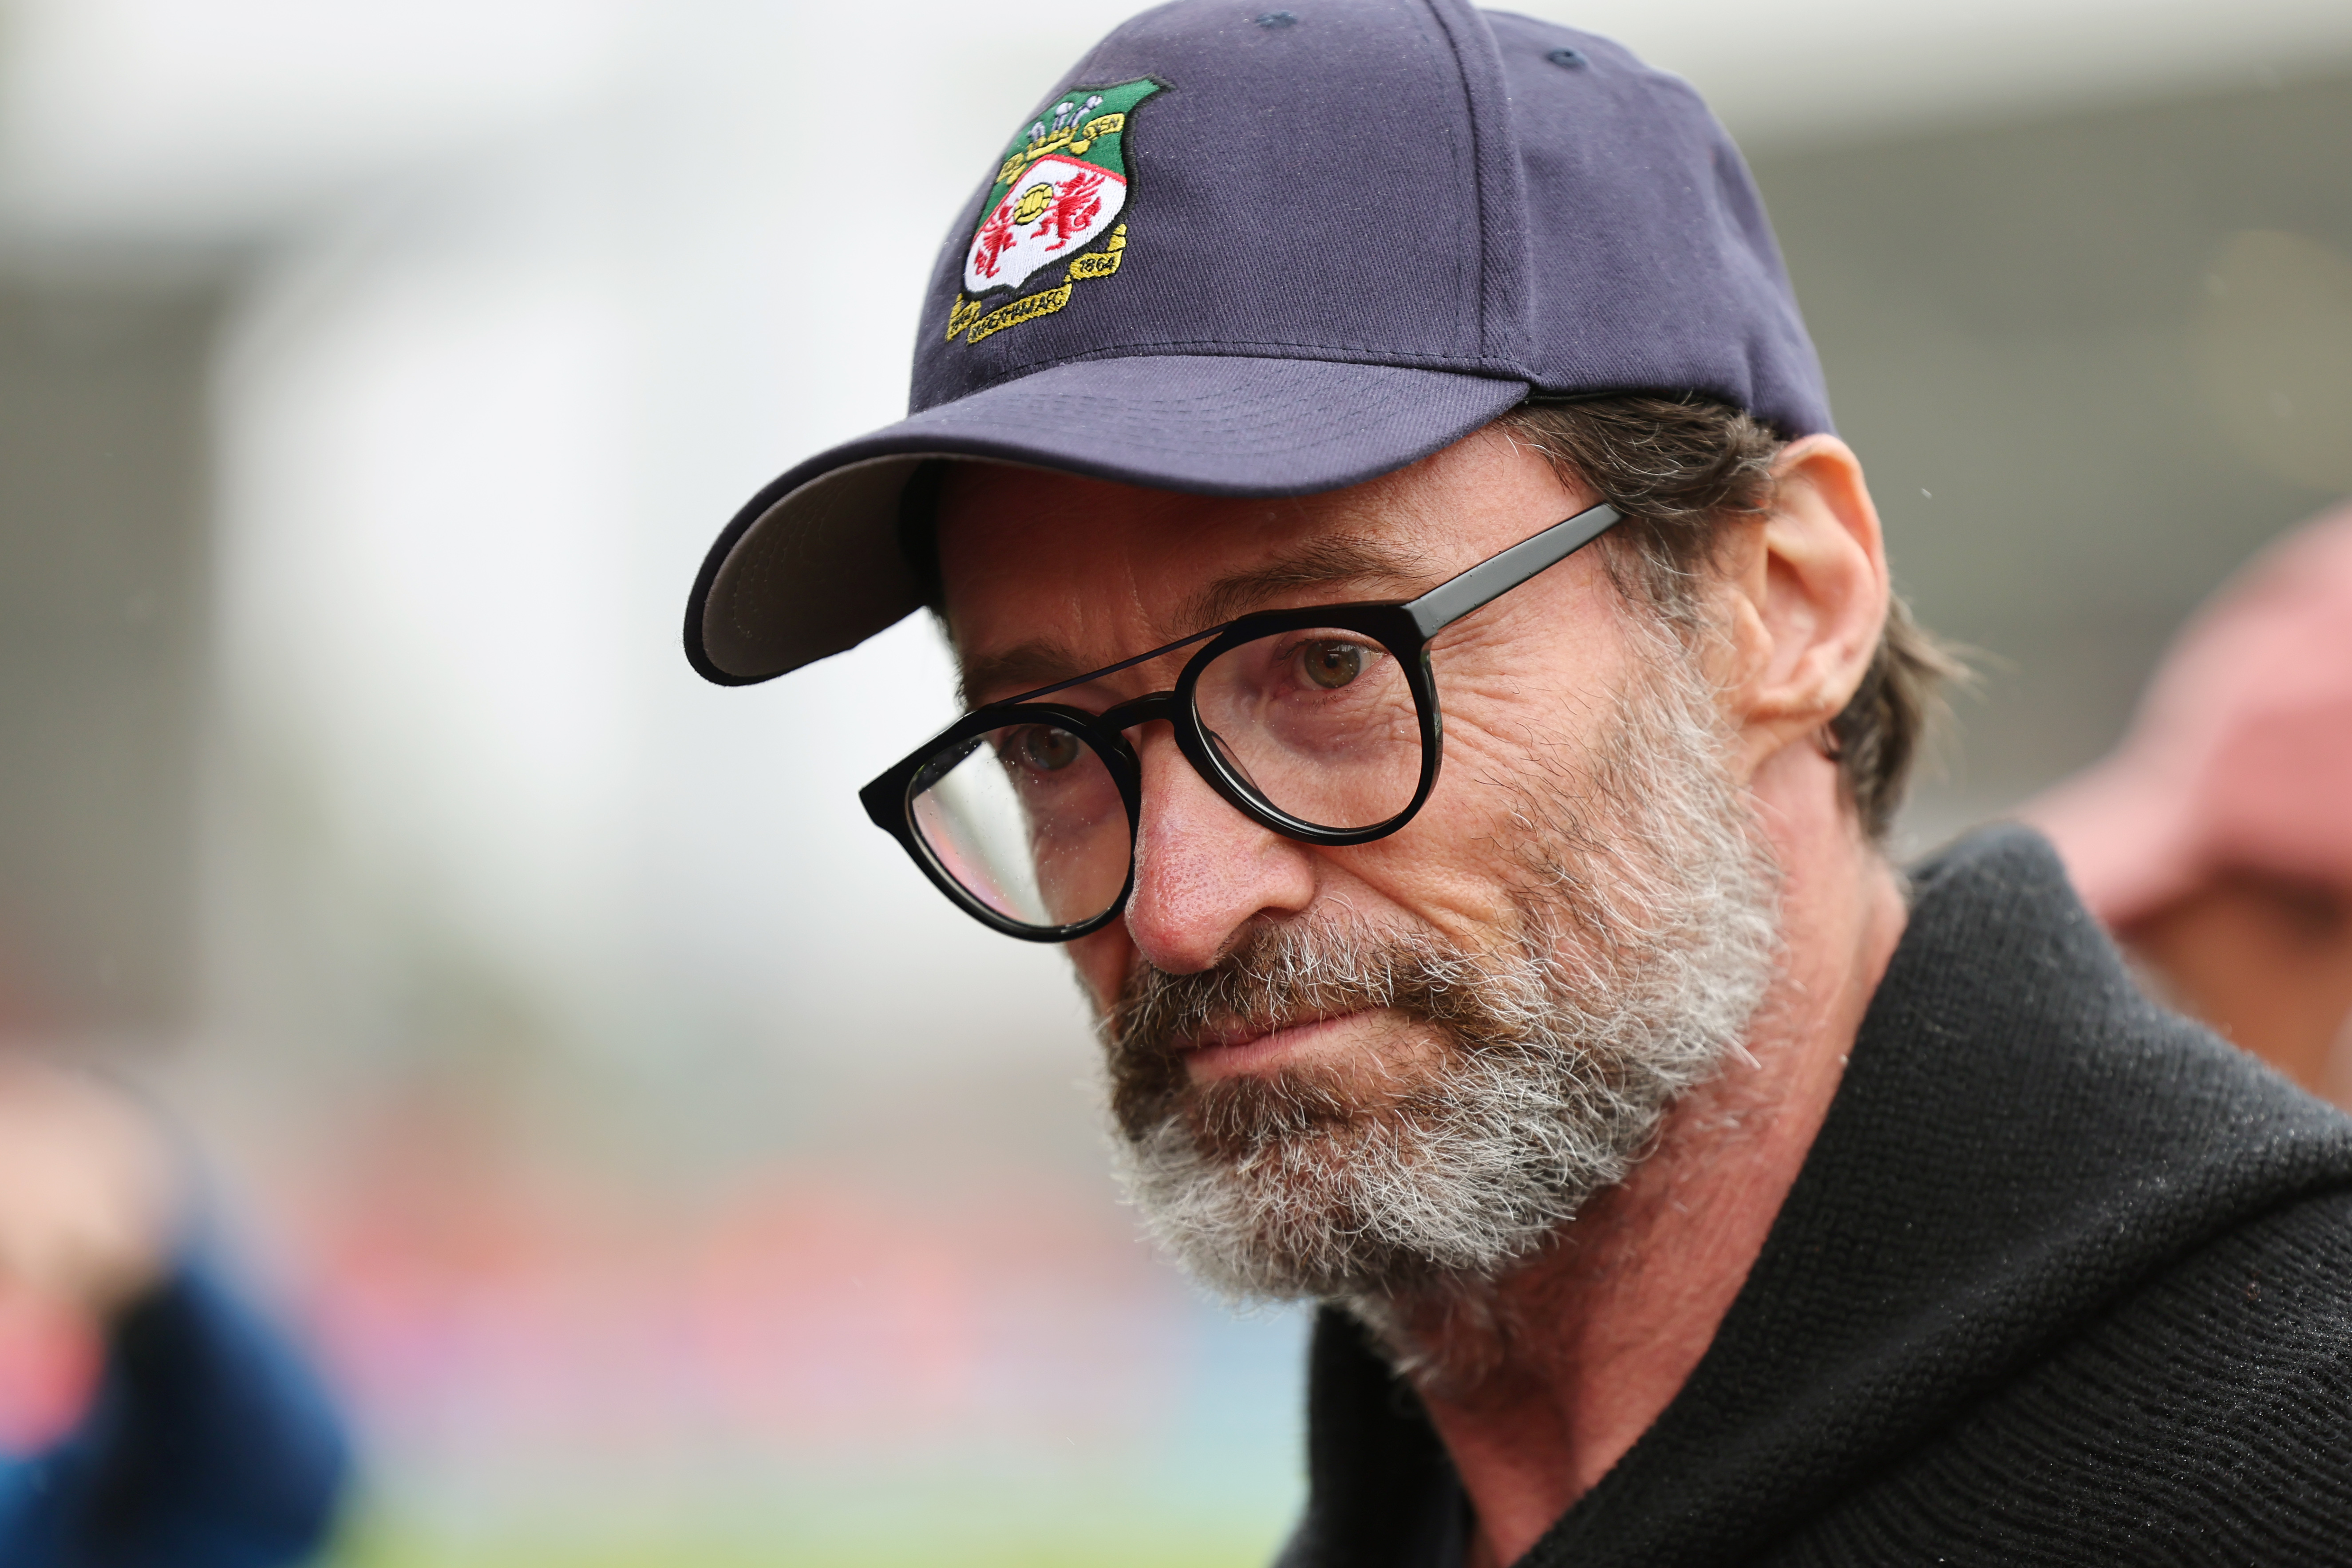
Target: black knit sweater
2064, 1279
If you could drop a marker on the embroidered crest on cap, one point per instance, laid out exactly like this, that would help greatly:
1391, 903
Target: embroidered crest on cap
1058, 197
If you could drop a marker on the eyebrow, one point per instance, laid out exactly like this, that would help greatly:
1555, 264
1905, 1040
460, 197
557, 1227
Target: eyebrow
1371, 564
1022, 667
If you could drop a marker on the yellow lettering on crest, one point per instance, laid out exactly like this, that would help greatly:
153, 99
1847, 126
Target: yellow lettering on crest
1027, 307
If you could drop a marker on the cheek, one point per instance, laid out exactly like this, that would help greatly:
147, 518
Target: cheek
1509, 731
1103, 962
1456, 865
1535, 681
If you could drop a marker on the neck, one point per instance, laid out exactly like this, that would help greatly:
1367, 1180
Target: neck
1584, 1346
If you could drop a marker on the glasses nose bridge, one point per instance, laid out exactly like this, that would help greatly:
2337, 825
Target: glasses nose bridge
1145, 709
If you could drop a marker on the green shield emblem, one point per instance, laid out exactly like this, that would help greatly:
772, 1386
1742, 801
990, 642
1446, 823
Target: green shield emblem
1058, 197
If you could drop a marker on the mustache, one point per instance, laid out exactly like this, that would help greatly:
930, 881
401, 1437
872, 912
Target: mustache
1278, 976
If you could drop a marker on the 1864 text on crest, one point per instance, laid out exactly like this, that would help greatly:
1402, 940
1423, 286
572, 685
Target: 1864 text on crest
1059, 196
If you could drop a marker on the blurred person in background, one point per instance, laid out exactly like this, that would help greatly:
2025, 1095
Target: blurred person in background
1680, 1181
2216, 841
202, 1440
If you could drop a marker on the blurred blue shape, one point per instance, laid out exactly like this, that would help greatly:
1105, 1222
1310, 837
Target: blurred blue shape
210, 1443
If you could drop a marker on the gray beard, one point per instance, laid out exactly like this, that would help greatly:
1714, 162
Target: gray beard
1647, 934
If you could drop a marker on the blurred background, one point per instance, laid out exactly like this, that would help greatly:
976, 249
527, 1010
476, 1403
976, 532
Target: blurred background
662, 1171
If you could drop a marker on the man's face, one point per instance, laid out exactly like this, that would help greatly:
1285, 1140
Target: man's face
1283, 1018
1049, 575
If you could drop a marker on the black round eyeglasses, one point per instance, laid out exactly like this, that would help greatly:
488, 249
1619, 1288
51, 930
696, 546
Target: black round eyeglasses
1320, 723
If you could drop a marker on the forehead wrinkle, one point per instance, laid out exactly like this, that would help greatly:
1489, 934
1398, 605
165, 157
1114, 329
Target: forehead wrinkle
1371, 562
1317, 562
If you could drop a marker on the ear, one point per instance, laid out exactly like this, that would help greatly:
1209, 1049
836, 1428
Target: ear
1809, 596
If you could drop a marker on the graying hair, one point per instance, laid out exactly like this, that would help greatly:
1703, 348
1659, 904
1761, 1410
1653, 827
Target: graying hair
1647, 937
1681, 469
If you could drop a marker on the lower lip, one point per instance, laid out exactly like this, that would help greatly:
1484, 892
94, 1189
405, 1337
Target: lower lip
1261, 1051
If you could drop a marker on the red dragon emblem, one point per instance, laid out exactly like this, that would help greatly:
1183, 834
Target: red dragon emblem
1075, 206
994, 238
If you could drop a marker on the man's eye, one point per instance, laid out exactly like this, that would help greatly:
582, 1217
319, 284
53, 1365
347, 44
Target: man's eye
1332, 665
1048, 750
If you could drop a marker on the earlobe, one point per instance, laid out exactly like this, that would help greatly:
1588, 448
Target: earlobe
1816, 593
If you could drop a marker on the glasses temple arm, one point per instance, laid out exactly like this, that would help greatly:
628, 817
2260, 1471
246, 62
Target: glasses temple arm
1497, 575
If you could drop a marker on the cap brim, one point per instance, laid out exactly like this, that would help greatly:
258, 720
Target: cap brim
812, 565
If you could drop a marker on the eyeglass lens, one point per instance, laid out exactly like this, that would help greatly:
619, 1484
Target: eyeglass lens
1320, 723
1028, 820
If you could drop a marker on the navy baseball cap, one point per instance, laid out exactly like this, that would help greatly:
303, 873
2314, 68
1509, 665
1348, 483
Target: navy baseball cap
1249, 252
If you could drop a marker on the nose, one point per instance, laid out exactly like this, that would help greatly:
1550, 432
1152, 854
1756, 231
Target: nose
1202, 870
